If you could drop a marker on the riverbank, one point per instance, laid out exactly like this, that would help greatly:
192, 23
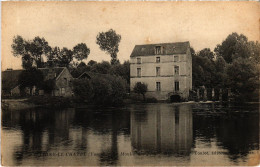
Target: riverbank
36, 101
16, 104
62, 102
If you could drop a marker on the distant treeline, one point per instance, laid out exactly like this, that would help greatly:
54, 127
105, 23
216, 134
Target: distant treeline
233, 64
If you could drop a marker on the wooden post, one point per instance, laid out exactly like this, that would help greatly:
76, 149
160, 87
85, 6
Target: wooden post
198, 94
228, 96
213, 94
220, 95
205, 95
229, 93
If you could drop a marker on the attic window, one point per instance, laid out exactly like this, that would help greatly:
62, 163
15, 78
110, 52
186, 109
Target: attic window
138, 60
143, 49
158, 49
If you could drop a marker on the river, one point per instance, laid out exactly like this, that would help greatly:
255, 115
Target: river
140, 134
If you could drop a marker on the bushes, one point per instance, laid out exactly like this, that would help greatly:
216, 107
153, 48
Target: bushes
101, 89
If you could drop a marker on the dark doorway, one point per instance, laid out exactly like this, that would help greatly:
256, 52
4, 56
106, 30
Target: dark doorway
175, 98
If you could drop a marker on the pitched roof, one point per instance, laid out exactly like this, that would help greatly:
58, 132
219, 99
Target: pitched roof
168, 49
90, 75
57, 70
10, 77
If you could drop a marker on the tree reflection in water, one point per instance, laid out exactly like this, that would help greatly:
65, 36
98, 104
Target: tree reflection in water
156, 130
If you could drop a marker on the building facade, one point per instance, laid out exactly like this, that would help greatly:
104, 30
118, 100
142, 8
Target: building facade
62, 80
60, 75
166, 69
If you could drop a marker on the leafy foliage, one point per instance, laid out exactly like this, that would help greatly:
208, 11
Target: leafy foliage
243, 77
81, 51
65, 57
102, 68
122, 70
83, 89
140, 88
235, 46
30, 78
109, 42
48, 86
33, 51
101, 90
236, 66
30, 51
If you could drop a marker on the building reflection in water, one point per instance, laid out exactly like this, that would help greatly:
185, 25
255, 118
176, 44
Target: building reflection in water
150, 129
162, 129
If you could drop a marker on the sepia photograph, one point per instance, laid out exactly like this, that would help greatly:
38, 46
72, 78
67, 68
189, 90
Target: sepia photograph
130, 83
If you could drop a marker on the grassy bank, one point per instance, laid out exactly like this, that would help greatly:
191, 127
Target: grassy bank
50, 101
16, 104
36, 101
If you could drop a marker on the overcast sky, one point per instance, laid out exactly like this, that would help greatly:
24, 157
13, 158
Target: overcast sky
66, 24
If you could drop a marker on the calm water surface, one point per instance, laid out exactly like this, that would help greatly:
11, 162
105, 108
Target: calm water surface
158, 134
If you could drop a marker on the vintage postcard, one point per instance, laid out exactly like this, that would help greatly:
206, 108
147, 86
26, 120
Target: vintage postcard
130, 83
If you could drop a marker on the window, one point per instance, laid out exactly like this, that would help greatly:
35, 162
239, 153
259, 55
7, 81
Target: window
176, 86
138, 60
62, 91
138, 72
158, 86
176, 70
66, 81
176, 58
157, 71
158, 50
158, 60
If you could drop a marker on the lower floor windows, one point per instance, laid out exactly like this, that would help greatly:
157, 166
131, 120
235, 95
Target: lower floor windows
62, 91
176, 86
158, 86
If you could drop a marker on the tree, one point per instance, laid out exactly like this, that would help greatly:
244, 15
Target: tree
81, 51
65, 57
101, 89
27, 61
109, 42
54, 54
206, 53
91, 63
243, 77
83, 89
30, 78
30, 50
220, 75
122, 70
241, 70
80, 69
140, 88
203, 69
102, 68
233, 46
48, 86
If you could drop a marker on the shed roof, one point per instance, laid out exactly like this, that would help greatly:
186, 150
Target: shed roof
168, 49
90, 75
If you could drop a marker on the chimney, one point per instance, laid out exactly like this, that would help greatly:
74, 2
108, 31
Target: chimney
51, 72
50, 63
